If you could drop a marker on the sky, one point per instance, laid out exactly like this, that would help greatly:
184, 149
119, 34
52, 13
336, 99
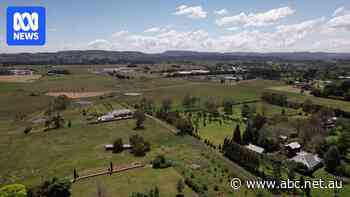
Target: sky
154, 26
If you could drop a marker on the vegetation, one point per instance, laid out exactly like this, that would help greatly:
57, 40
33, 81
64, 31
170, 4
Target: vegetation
118, 145
14, 190
53, 188
208, 129
160, 162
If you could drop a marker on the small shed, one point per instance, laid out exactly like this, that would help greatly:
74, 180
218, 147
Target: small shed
109, 146
255, 148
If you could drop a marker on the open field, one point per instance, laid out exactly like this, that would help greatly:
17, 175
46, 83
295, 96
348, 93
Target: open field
142, 180
287, 88
32, 158
19, 78
75, 95
39, 155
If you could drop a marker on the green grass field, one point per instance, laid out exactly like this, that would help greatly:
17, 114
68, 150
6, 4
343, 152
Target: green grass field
32, 158
142, 180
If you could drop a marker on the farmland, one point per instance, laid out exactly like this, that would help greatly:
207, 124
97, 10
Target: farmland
41, 155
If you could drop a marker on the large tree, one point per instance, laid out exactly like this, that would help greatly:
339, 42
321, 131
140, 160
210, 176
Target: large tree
166, 104
228, 103
140, 118
248, 134
332, 159
118, 145
237, 135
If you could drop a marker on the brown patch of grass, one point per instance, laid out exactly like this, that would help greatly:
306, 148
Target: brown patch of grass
19, 78
74, 95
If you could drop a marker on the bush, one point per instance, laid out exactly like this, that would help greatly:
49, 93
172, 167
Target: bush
27, 130
118, 146
53, 188
160, 162
139, 145
332, 159
14, 190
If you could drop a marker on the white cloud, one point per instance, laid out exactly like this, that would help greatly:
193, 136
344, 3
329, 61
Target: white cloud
195, 12
289, 37
257, 19
341, 22
221, 12
157, 29
120, 33
100, 44
152, 30
290, 34
232, 28
341, 11
332, 45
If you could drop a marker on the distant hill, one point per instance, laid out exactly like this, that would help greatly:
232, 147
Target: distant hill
114, 57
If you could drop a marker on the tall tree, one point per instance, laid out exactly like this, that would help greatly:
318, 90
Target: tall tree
237, 135
228, 103
180, 186
166, 104
248, 134
118, 145
332, 159
140, 119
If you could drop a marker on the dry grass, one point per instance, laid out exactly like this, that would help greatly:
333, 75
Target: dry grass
19, 78
75, 95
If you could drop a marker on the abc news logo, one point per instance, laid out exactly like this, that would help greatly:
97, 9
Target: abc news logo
26, 26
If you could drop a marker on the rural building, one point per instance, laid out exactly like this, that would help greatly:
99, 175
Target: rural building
311, 161
293, 148
21, 72
283, 138
116, 115
57, 72
330, 123
121, 113
302, 85
111, 146
255, 148
107, 117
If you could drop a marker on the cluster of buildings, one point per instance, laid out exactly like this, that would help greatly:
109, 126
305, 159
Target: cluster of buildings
188, 72
21, 72
116, 115
294, 153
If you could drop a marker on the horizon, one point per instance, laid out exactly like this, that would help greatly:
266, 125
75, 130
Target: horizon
167, 51
222, 26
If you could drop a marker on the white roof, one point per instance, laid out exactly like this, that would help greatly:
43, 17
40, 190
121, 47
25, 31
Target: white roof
294, 145
283, 137
127, 146
255, 148
109, 146
120, 112
308, 159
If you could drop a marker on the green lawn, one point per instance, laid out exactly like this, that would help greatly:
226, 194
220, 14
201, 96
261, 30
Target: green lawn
139, 180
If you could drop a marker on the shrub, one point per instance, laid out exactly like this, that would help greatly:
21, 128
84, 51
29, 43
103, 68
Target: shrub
14, 190
118, 146
27, 130
161, 162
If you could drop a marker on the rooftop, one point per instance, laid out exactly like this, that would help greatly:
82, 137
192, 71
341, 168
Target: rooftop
308, 159
255, 148
294, 145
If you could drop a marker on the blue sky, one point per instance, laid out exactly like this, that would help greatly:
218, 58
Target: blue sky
215, 25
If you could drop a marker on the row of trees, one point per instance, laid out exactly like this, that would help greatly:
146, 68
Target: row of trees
341, 89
